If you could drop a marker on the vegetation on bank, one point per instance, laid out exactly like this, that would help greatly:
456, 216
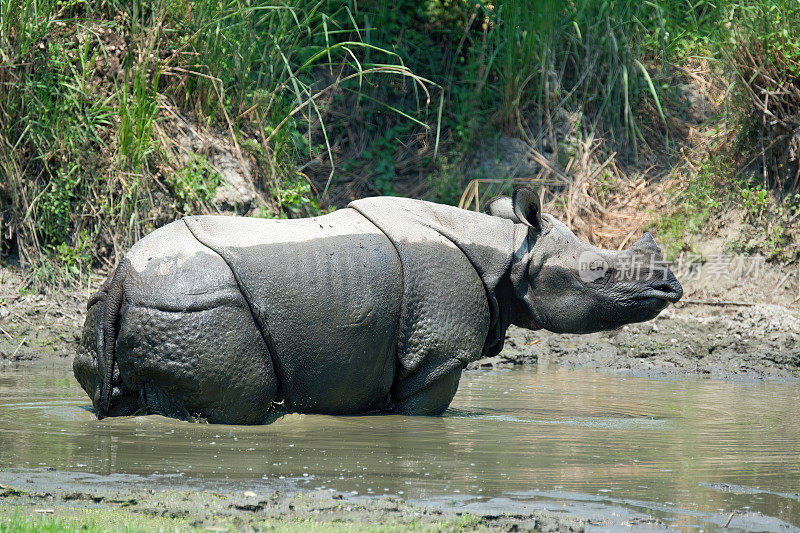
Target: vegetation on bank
62, 519
117, 117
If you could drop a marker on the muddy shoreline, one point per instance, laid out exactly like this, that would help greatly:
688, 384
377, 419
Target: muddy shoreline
120, 500
752, 342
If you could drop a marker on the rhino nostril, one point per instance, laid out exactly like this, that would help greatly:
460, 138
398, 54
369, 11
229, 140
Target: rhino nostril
663, 286
671, 288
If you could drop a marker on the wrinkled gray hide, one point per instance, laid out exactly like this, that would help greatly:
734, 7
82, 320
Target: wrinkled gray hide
378, 306
350, 312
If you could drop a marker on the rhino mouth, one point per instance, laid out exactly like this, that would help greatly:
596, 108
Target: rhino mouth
661, 297
654, 300
646, 302
660, 293
653, 303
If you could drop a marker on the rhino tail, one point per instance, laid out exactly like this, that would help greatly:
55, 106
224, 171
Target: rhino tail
115, 293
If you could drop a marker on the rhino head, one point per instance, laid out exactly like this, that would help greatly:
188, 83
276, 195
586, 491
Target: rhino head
565, 285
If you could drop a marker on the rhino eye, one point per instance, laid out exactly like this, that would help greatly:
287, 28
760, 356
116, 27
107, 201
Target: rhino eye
604, 279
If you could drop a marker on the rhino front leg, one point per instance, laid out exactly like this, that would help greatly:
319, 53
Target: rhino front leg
433, 400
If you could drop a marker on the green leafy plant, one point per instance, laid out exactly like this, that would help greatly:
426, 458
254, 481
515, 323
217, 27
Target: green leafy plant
194, 185
767, 228
756, 202
294, 197
696, 203
790, 206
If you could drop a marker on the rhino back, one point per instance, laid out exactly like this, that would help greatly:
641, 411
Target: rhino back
326, 293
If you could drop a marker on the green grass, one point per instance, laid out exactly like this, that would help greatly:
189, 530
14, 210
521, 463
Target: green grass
700, 200
584, 55
515, 65
358, 97
83, 93
26, 520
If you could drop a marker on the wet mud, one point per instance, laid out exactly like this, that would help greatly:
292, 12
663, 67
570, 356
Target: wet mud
228, 507
122, 503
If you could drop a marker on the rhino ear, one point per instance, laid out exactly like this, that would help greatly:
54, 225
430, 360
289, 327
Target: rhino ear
527, 207
501, 206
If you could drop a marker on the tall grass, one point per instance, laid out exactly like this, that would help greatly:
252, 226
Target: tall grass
84, 172
764, 65
582, 56
335, 99
51, 127
277, 63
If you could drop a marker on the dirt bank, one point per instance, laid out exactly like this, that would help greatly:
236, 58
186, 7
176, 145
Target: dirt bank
760, 341
36, 326
120, 501
727, 326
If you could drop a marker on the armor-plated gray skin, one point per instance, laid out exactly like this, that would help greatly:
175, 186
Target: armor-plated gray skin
378, 306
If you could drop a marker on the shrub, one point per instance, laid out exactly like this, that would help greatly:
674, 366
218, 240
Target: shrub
765, 65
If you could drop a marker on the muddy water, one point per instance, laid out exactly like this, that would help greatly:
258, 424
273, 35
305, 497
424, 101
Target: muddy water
692, 450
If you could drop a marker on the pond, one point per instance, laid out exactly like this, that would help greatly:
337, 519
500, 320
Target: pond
687, 450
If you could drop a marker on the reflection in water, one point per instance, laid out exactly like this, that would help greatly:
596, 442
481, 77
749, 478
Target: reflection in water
686, 443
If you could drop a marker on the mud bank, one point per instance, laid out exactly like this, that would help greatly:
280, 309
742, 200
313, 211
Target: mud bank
76, 499
37, 326
759, 341
72, 500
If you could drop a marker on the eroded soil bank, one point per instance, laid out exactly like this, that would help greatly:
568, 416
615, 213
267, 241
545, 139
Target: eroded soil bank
88, 499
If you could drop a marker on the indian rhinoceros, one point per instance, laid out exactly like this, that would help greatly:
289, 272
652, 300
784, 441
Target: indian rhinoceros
374, 307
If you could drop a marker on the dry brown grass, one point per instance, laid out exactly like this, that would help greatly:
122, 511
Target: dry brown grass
771, 85
592, 195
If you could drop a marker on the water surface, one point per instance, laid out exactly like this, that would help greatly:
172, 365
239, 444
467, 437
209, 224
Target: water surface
688, 450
